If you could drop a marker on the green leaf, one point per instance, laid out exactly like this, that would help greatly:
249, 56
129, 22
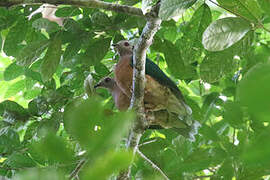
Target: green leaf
265, 6
175, 62
256, 150
15, 88
51, 59
171, 8
216, 65
225, 32
33, 74
71, 50
9, 140
32, 93
31, 52
38, 106
101, 19
12, 72
67, 12
54, 148
110, 163
31, 131
81, 121
102, 69
49, 26
191, 43
253, 90
17, 160
243, 8
15, 36
97, 50
233, 114
14, 109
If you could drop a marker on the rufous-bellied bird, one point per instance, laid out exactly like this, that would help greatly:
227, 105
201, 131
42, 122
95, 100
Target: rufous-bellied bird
161, 93
122, 101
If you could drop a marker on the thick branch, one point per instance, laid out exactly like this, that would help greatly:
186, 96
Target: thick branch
139, 57
82, 3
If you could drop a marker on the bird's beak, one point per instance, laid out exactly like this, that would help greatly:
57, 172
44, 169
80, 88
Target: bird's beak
113, 45
97, 85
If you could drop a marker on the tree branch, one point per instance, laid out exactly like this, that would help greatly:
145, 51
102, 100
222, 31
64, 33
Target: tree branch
76, 171
153, 165
139, 57
82, 3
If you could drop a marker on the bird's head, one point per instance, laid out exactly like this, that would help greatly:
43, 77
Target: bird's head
123, 47
106, 82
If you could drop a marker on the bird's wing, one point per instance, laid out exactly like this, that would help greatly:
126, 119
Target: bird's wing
155, 72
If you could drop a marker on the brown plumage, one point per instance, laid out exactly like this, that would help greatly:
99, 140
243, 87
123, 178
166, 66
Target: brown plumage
161, 93
121, 100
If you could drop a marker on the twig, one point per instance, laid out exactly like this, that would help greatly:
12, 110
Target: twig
153, 164
76, 171
147, 142
82, 3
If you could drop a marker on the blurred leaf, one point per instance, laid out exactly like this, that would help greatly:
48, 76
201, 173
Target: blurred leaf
71, 50
253, 89
31, 52
13, 110
38, 106
216, 65
265, 6
111, 162
226, 170
15, 36
147, 5
247, 9
40, 174
15, 88
256, 151
13, 71
54, 148
9, 140
191, 43
102, 69
49, 26
31, 131
175, 62
97, 50
67, 11
51, 59
171, 8
82, 121
233, 114
101, 19
17, 160
208, 105
225, 32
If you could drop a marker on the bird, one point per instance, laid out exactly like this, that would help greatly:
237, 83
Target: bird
161, 93
121, 100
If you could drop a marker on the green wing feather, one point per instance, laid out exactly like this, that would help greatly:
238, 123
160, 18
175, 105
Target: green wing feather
155, 72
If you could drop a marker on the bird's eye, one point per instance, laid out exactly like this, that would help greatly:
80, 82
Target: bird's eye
126, 44
107, 79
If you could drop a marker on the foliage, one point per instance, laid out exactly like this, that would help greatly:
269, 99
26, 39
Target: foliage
220, 62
